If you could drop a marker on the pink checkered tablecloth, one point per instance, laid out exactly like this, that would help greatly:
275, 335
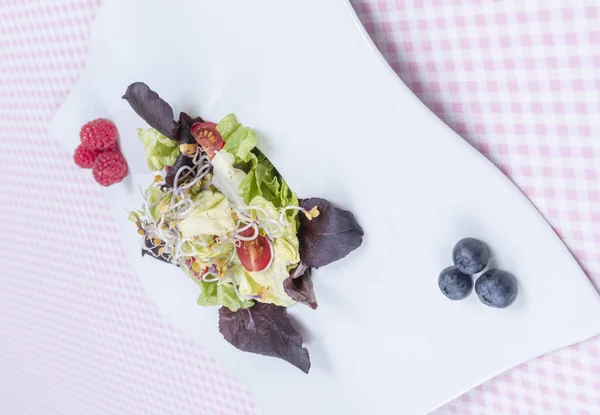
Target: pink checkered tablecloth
520, 80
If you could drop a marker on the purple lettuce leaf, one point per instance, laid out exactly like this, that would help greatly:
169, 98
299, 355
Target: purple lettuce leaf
153, 251
152, 108
328, 237
264, 329
185, 126
299, 286
185, 137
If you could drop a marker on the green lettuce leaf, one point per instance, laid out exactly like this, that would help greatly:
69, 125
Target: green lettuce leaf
213, 294
265, 181
227, 178
154, 196
262, 178
239, 141
211, 216
160, 150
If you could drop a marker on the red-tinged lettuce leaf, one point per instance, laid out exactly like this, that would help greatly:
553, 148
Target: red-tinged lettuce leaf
185, 126
152, 108
330, 236
264, 329
152, 250
299, 286
185, 137
181, 161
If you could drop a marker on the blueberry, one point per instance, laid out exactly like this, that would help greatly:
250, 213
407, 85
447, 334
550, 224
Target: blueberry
470, 255
497, 288
454, 284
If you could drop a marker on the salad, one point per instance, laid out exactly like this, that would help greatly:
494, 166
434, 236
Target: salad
220, 211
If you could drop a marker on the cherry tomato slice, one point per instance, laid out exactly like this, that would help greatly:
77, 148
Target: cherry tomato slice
208, 137
255, 255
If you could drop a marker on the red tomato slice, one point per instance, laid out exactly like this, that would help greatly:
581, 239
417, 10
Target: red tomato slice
208, 137
254, 255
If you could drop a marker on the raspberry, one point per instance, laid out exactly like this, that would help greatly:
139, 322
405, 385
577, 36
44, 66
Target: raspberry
84, 157
109, 168
99, 134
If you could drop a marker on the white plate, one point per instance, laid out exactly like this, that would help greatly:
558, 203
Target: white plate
337, 122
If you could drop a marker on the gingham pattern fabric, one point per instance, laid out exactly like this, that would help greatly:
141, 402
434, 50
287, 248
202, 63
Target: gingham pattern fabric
518, 79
